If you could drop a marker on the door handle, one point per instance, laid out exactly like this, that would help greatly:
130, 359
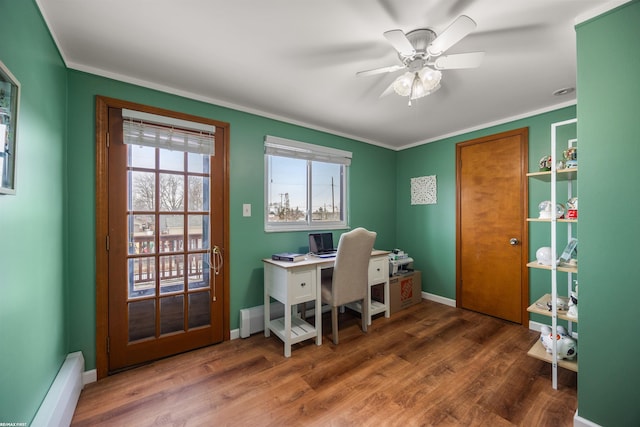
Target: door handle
216, 258
216, 255
513, 241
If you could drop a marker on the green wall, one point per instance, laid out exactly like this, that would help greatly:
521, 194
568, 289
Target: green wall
371, 180
428, 232
33, 341
608, 131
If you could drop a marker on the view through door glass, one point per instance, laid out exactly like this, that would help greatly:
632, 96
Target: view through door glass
165, 267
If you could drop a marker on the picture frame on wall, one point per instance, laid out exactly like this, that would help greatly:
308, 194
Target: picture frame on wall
9, 106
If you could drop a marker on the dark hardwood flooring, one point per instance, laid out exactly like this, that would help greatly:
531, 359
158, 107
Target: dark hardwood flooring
428, 365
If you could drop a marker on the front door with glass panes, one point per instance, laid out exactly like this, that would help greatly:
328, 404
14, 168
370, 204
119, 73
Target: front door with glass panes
166, 227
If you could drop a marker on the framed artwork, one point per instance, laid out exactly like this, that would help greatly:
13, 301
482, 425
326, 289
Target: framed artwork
424, 190
9, 105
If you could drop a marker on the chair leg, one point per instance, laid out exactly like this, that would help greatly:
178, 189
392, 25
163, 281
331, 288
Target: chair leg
365, 314
334, 324
304, 310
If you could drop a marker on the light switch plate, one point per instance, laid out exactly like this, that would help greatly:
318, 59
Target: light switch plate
246, 209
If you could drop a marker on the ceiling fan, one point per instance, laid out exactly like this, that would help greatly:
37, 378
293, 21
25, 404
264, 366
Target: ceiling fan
420, 53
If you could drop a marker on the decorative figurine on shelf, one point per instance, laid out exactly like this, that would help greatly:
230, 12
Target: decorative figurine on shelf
544, 209
562, 304
545, 164
572, 208
573, 303
566, 345
570, 157
543, 255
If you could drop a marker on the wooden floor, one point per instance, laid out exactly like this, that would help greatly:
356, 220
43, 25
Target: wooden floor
427, 365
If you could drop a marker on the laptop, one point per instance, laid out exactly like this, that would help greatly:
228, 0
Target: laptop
321, 245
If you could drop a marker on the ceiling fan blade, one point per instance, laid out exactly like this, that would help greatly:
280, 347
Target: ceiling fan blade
400, 42
455, 32
389, 69
461, 60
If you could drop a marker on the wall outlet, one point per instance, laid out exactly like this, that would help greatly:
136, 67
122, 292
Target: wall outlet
246, 209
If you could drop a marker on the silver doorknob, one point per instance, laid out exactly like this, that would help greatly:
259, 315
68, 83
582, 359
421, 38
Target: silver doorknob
513, 241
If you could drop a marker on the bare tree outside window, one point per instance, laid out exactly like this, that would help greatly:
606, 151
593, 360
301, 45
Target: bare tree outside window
196, 189
171, 192
144, 189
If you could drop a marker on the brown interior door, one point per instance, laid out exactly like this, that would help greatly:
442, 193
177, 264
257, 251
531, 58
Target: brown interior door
491, 225
166, 234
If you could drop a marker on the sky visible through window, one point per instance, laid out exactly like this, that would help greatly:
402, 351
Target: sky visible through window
288, 176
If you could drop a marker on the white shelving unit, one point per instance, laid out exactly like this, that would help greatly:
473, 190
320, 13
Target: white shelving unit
554, 176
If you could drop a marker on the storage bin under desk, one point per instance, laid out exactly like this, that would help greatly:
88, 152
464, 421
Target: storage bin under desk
405, 290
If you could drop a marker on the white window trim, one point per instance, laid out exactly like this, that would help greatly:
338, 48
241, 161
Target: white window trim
302, 150
277, 146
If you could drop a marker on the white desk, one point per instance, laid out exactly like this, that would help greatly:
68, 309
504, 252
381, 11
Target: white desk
293, 283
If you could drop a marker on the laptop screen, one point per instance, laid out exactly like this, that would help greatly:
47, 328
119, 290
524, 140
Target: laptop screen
321, 243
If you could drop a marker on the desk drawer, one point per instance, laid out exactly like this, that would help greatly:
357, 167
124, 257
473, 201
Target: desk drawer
303, 286
378, 270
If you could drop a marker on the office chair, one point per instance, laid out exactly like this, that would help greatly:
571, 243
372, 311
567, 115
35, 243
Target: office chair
349, 282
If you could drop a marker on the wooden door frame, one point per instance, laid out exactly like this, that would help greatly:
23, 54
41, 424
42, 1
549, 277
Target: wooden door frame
102, 220
524, 168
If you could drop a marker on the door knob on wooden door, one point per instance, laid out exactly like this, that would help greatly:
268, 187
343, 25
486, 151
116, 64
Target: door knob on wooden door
513, 241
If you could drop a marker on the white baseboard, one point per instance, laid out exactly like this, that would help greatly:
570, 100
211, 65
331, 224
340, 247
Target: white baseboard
437, 298
60, 402
89, 377
535, 326
583, 422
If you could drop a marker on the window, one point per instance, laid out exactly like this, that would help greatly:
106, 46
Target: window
305, 186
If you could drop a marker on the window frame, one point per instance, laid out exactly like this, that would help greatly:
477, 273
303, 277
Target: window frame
281, 147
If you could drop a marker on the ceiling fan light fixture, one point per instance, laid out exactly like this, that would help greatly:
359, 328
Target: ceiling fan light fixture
402, 85
419, 53
430, 78
417, 88
417, 84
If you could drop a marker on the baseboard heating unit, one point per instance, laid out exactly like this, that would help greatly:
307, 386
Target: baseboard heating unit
60, 402
252, 319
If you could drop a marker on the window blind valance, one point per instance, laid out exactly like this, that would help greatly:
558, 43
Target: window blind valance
274, 145
152, 130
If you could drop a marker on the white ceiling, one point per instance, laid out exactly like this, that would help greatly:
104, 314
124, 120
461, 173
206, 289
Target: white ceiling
296, 60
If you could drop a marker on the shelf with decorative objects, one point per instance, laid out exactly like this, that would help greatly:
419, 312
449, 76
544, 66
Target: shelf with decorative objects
558, 347
542, 306
549, 220
538, 351
565, 268
561, 174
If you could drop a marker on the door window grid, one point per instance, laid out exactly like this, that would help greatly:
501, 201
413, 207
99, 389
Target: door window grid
167, 207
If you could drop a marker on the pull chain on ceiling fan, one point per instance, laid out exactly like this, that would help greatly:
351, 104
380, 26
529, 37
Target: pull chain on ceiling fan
419, 53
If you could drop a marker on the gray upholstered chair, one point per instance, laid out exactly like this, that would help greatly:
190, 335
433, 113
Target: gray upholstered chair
349, 282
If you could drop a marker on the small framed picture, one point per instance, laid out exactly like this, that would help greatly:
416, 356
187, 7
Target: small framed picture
568, 251
9, 106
